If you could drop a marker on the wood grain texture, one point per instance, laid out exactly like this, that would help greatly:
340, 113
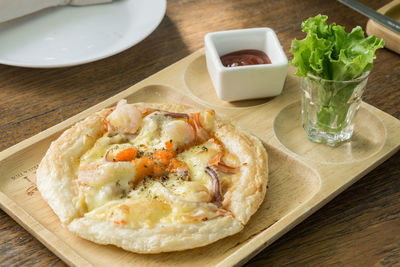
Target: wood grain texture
358, 228
392, 39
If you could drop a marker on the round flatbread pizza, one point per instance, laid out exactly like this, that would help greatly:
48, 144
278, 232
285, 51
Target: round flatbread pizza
153, 178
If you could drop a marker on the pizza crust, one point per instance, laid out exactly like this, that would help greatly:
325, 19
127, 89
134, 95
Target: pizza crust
57, 172
161, 238
249, 191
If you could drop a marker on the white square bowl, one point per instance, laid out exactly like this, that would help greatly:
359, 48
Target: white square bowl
251, 81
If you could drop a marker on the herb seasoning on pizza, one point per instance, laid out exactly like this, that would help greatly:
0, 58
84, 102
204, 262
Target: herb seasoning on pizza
152, 178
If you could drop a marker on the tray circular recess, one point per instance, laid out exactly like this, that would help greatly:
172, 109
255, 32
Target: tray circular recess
199, 84
368, 137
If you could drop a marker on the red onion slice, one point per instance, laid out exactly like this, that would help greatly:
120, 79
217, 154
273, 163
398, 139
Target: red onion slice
216, 188
176, 115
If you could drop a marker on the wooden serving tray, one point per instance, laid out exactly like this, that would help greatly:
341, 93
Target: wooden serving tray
303, 176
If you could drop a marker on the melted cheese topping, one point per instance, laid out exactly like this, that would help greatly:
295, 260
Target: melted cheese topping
103, 182
143, 212
180, 191
133, 212
197, 159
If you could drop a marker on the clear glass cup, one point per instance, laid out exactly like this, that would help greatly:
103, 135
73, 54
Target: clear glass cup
328, 107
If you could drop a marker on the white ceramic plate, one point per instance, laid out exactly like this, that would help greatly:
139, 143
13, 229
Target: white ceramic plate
67, 36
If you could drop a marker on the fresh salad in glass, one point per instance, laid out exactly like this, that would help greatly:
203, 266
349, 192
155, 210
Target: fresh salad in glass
335, 66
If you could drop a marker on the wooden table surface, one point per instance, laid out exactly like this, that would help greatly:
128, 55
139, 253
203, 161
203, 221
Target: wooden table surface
360, 227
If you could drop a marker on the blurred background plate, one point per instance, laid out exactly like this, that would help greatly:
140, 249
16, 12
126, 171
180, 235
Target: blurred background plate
68, 36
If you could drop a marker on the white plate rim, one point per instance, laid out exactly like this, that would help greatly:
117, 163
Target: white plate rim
163, 9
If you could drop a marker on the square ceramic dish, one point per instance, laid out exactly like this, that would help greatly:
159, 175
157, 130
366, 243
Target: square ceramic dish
251, 81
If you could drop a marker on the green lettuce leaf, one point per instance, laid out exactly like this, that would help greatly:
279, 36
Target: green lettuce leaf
330, 53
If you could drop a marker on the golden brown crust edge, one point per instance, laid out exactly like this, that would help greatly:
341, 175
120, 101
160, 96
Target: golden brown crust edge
54, 176
250, 190
161, 238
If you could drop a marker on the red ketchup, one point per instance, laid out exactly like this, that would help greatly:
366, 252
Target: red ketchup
245, 57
